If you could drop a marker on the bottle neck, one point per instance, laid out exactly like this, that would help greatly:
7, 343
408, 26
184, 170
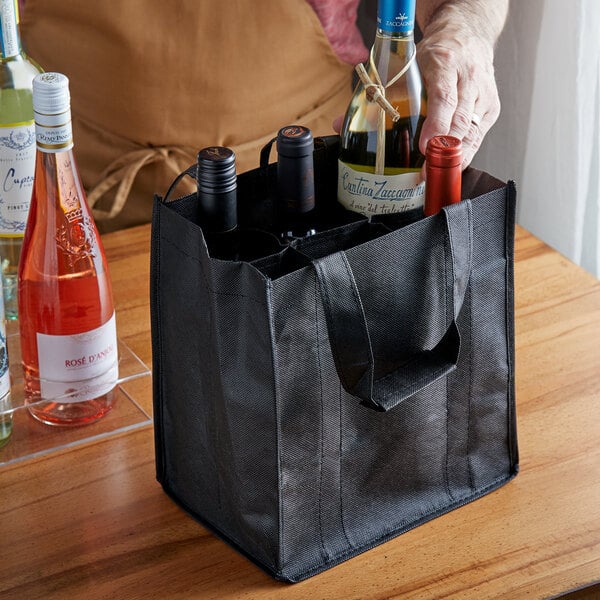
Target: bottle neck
396, 18
53, 133
217, 189
400, 44
10, 42
394, 45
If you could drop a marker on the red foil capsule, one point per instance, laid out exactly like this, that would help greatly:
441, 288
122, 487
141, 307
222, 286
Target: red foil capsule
444, 173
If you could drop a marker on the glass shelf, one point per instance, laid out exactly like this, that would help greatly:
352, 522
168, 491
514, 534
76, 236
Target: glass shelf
30, 438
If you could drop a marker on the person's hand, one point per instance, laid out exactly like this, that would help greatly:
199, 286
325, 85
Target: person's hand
456, 60
462, 98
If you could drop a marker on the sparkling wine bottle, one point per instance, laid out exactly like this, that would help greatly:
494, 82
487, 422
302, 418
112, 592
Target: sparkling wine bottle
380, 162
17, 147
67, 319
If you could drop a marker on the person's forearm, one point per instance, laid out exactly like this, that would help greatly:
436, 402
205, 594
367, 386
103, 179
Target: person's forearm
485, 18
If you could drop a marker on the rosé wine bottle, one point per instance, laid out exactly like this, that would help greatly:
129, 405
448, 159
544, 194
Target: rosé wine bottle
66, 313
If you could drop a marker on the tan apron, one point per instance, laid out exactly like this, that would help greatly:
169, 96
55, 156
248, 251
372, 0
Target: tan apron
153, 81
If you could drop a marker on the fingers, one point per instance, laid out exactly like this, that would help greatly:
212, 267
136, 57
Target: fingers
337, 123
477, 132
441, 105
462, 118
471, 142
442, 93
484, 115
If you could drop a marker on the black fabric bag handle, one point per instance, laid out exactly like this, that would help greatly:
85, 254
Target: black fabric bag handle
349, 335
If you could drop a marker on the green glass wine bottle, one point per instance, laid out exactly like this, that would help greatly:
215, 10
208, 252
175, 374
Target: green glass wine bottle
17, 148
380, 161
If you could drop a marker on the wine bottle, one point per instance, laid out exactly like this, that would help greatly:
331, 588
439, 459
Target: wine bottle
67, 318
217, 210
17, 147
379, 170
217, 201
295, 182
443, 172
5, 406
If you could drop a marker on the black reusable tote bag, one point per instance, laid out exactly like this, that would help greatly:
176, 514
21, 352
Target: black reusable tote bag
344, 389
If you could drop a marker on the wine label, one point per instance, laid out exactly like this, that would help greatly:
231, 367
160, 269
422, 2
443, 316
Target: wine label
396, 16
75, 368
54, 133
17, 165
371, 194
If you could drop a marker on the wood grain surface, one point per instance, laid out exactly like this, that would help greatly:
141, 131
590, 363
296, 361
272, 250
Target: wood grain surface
91, 522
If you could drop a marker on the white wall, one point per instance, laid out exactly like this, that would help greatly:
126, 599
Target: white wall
548, 135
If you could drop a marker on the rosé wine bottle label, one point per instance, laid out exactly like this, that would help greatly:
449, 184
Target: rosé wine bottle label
75, 368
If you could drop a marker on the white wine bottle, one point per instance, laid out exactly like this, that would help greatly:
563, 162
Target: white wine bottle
17, 148
380, 162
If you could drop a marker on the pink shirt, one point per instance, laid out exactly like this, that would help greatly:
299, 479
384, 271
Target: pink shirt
338, 18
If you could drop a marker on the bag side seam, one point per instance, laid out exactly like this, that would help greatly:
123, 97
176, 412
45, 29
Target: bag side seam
342, 519
280, 559
159, 435
447, 240
470, 394
324, 552
509, 207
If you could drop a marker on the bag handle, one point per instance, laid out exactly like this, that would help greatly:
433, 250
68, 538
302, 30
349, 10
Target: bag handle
189, 172
349, 335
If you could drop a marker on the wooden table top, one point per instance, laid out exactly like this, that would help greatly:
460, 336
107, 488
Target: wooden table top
92, 522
